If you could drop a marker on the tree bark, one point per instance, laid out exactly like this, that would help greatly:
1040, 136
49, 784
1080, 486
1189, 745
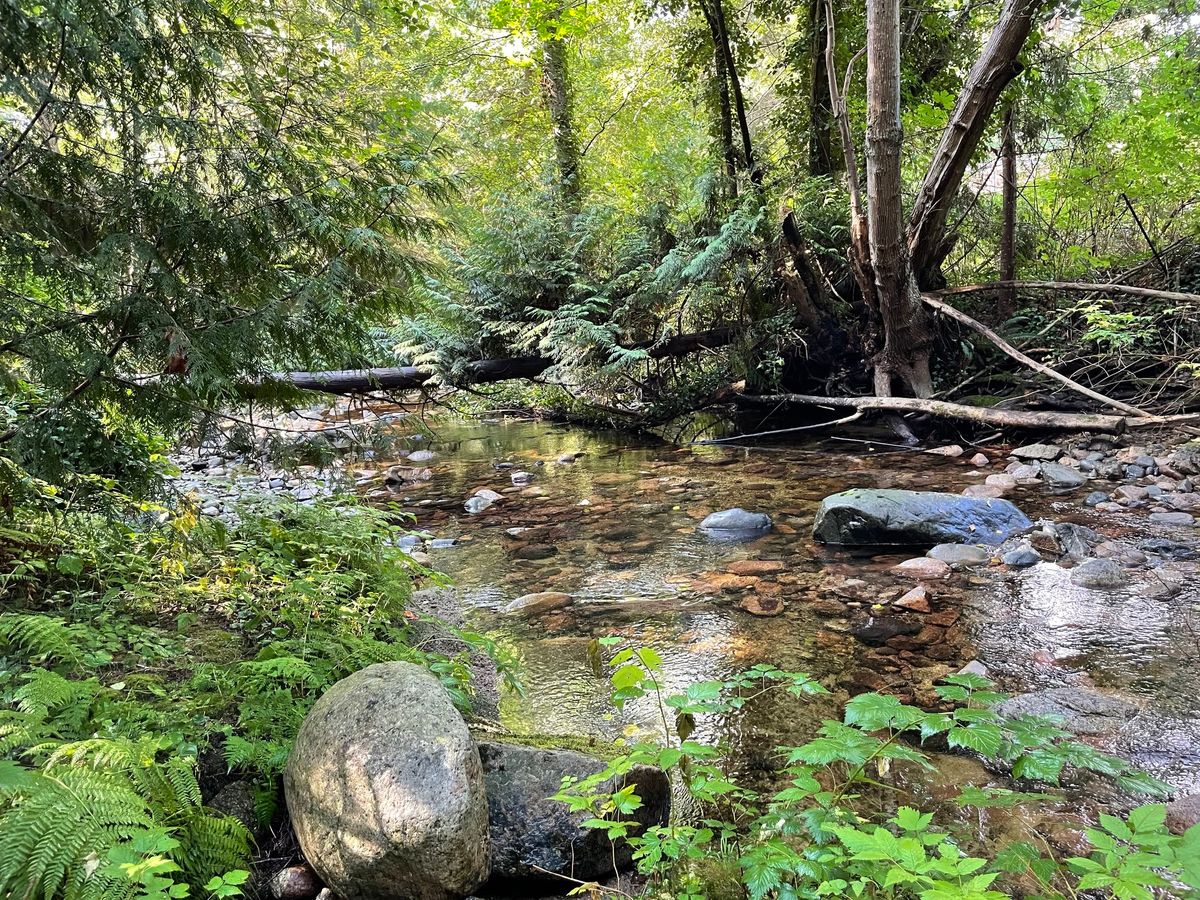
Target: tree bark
996, 67
907, 327
1008, 228
557, 88
822, 159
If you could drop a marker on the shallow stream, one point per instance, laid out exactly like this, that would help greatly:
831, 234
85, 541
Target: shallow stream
616, 529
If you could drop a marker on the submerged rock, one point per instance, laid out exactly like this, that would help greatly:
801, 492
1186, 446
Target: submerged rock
878, 630
1098, 574
735, 524
385, 789
534, 837
870, 517
1081, 710
960, 555
541, 602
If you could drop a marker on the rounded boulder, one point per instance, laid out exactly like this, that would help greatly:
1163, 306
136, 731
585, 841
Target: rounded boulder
385, 789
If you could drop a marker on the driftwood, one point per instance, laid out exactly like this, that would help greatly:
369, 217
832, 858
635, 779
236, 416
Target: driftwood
1006, 347
1083, 286
1000, 418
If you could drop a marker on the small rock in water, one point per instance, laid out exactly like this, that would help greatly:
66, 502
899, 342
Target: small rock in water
1021, 557
951, 450
442, 543
489, 494
1098, 574
569, 458
763, 605
734, 524
960, 555
1083, 710
541, 602
983, 491
1038, 451
1025, 473
1172, 518
522, 477
922, 567
1062, 476
975, 667
916, 600
421, 456
980, 459
476, 505
878, 630
1094, 498
1002, 480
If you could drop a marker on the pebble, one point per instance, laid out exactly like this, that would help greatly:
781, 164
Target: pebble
980, 460
1095, 498
1021, 557
922, 567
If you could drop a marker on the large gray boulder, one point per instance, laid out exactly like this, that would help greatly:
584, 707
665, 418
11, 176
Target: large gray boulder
385, 789
533, 836
1079, 709
874, 517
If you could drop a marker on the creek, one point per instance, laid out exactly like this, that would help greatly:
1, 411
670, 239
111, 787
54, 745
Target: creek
616, 529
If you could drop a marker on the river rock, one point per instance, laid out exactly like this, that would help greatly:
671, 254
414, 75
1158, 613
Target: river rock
1098, 574
959, 556
985, 491
386, 791
295, 883
530, 832
1062, 476
871, 517
1075, 540
922, 567
421, 456
1041, 452
476, 505
1172, 518
1021, 557
541, 602
520, 478
1095, 498
916, 600
734, 524
951, 450
1082, 710
489, 494
980, 460
878, 630
1183, 813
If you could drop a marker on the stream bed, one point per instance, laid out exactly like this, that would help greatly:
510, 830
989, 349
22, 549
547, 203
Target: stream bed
611, 520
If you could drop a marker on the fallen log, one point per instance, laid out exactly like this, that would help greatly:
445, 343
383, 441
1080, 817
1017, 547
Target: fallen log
1005, 347
482, 371
1082, 286
998, 418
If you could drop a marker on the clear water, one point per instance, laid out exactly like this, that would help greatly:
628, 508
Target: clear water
622, 524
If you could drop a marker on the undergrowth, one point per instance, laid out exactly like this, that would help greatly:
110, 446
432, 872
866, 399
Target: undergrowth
133, 645
816, 837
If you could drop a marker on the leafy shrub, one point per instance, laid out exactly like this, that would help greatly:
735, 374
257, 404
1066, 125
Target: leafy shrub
811, 838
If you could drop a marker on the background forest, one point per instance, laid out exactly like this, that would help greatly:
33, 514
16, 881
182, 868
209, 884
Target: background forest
646, 208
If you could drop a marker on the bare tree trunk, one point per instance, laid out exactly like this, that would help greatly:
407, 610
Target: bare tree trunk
822, 159
1008, 231
996, 67
907, 327
557, 89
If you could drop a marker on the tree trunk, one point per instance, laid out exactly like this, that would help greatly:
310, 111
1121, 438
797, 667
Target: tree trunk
1008, 228
735, 82
723, 108
557, 89
822, 158
996, 67
907, 328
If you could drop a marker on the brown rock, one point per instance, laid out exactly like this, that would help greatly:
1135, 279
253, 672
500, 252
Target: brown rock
980, 460
986, 491
762, 604
950, 450
916, 600
295, 883
1183, 813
